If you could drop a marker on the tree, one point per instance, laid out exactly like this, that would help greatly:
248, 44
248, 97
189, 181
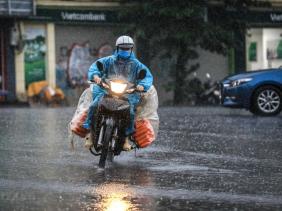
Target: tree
179, 27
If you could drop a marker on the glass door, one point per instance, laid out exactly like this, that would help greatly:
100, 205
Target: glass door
3, 63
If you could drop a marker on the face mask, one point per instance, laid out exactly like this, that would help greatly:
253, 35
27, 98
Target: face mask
124, 54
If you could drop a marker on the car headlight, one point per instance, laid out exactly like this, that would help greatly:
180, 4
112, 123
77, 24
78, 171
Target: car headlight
240, 82
118, 87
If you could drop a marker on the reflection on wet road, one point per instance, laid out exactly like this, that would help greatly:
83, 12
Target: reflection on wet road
204, 159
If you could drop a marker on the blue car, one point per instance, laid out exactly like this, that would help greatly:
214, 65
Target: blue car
258, 91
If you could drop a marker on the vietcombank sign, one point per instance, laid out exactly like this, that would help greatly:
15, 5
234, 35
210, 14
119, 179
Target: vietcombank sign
251, 17
74, 16
90, 16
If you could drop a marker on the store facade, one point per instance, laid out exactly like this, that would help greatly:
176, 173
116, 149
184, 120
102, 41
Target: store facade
264, 41
60, 45
63, 38
11, 12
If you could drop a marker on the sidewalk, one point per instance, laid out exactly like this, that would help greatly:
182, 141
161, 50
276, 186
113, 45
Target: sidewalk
13, 104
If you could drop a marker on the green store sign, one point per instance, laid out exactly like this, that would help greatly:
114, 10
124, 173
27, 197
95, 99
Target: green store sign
34, 54
89, 16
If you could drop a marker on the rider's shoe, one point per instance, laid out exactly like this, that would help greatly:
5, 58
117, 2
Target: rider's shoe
126, 145
88, 141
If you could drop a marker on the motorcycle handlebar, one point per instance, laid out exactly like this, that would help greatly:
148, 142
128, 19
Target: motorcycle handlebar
105, 85
102, 83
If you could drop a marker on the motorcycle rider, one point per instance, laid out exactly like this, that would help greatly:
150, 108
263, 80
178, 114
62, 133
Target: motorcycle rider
122, 64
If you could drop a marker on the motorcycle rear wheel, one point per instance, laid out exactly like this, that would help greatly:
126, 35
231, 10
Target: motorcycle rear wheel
105, 148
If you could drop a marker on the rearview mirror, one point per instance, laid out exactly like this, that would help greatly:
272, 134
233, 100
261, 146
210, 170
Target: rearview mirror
142, 74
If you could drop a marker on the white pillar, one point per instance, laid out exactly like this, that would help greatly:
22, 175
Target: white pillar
51, 55
20, 74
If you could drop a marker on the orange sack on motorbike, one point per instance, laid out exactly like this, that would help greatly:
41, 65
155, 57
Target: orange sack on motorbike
144, 133
77, 122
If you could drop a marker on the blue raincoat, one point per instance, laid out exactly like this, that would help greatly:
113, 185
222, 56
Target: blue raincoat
127, 69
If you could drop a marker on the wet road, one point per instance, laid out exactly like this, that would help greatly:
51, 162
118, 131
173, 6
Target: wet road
204, 159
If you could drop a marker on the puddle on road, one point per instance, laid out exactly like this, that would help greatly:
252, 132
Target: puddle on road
111, 197
192, 168
38, 170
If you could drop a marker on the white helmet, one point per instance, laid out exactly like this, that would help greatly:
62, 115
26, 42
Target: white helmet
125, 42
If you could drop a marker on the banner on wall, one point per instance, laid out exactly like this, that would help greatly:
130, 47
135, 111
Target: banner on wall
79, 62
274, 49
80, 59
34, 53
253, 52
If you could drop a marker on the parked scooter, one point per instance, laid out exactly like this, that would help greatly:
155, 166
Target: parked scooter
111, 119
41, 94
203, 93
211, 93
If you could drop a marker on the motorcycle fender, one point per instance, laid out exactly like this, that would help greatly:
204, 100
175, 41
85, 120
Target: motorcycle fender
112, 104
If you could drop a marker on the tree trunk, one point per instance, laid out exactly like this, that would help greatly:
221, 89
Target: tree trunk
180, 76
143, 52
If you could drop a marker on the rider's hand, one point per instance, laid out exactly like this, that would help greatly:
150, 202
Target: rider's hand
140, 88
97, 79
105, 85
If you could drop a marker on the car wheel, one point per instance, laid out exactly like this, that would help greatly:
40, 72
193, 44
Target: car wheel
267, 101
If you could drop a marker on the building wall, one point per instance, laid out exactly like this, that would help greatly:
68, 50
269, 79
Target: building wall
271, 37
267, 41
7, 73
63, 36
78, 3
77, 47
28, 28
11, 86
67, 35
214, 64
254, 36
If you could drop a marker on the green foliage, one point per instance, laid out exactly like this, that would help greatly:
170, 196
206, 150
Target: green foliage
179, 27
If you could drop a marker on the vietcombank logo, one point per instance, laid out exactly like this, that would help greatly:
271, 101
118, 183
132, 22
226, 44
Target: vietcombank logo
83, 16
276, 17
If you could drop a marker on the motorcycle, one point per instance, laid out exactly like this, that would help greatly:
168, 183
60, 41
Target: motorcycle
111, 119
210, 94
203, 93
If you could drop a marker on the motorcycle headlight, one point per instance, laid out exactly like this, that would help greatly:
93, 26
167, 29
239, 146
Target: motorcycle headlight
118, 87
240, 82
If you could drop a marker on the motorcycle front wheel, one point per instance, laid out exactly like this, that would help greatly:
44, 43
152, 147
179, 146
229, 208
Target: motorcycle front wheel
110, 156
105, 148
